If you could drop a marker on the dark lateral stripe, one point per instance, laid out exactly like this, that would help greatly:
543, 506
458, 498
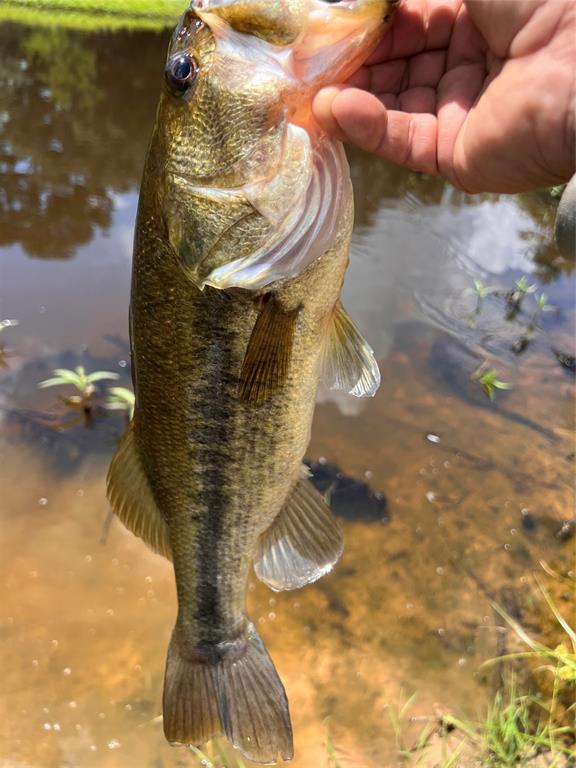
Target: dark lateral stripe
212, 454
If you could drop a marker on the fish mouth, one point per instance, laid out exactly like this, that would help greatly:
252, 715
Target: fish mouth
316, 42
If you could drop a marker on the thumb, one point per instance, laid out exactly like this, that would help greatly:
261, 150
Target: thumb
351, 115
356, 116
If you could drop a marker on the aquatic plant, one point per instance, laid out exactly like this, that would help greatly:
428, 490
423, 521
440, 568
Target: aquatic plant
121, 399
482, 291
488, 379
516, 296
83, 382
523, 287
542, 303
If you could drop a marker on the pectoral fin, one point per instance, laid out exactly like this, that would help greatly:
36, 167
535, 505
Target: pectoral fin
302, 544
349, 361
131, 499
269, 352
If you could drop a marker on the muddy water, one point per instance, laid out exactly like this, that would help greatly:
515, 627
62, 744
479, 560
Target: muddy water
470, 495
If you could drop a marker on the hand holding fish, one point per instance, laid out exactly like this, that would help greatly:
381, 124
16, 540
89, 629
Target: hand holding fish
478, 91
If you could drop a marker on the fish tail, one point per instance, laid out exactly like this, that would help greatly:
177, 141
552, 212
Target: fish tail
231, 688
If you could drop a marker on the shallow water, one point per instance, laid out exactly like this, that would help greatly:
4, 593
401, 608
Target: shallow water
471, 495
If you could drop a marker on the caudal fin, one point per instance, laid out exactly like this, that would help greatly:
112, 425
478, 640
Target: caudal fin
232, 688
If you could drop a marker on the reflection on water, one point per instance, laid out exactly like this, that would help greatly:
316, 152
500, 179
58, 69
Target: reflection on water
447, 500
73, 112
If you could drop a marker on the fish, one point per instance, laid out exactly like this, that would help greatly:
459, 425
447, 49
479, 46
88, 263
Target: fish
241, 245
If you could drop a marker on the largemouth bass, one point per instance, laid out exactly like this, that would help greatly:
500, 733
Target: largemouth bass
241, 246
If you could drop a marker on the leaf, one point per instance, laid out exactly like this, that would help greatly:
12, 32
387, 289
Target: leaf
102, 376
408, 705
58, 382
520, 631
121, 399
558, 616
67, 377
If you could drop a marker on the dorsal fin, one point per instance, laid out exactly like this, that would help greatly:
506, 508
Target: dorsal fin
349, 363
269, 351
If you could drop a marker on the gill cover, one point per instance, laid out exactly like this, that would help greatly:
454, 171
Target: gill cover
298, 200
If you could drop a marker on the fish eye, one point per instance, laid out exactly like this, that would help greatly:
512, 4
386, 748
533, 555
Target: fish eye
181, 73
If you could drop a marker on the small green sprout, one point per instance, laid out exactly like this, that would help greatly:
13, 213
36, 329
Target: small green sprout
542, 303
515, 297
488, 379
121, 399
524, 287
82, 381
482, 290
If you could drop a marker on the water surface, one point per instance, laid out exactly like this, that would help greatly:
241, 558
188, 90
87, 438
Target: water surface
447, 500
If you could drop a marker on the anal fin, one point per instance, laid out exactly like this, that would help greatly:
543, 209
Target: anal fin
131, 498
303, 543
349, 363
269, 352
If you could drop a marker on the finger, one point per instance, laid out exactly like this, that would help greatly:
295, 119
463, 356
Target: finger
390, 77
322, 109
418, 100
456, 96
466, 44
424, 69
406, 139
419, 25
409, 140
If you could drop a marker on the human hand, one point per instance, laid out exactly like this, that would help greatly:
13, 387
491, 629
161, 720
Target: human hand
481, 92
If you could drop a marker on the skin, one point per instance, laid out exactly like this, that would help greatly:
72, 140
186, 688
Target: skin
479, 91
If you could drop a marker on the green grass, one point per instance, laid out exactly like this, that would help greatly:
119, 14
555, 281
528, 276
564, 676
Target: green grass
93, 14
518, 728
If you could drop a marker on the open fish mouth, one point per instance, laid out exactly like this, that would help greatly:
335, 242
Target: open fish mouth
316, 42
